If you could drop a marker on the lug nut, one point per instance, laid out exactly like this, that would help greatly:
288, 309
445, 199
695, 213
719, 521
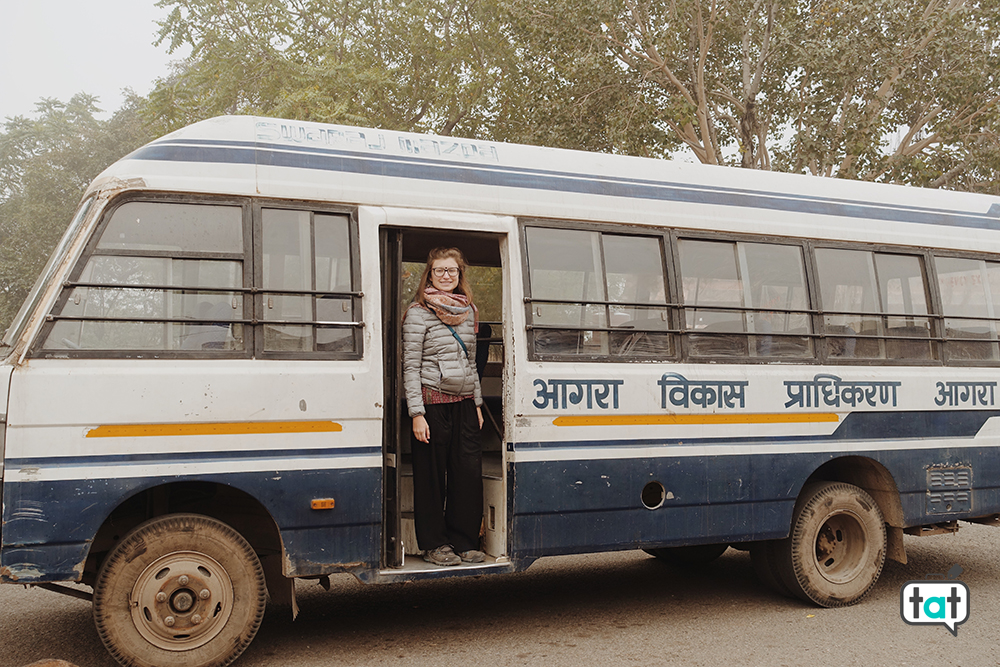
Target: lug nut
196, 619
183, 580
161, 597
205, 594
169, 621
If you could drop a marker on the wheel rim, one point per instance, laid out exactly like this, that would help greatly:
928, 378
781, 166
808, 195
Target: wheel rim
181, 601
841, 547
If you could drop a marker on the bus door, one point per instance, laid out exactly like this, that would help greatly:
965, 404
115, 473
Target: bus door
403, 257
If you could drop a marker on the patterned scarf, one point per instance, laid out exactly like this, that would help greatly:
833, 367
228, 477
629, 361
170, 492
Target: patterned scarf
451, 308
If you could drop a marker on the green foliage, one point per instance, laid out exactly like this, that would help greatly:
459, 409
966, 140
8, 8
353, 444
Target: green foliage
699, 74
46, 163
476, 68
896, 90
424, 65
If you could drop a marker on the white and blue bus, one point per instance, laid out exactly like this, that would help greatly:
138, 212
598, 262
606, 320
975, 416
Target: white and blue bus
202, 394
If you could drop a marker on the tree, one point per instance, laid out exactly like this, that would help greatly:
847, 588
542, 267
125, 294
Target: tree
46, 163
427, 65
441, 66
568, 90
897, 90
705, 72
884, 90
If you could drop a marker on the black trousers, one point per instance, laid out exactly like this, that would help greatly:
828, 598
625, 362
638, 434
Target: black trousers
448, 478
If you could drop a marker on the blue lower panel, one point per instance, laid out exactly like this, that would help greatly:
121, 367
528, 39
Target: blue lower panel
313, 551
48, 526
50, 562
550, 534
591, 505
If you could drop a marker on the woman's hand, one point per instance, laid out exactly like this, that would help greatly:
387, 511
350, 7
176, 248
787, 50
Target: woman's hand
479, 413
423, 432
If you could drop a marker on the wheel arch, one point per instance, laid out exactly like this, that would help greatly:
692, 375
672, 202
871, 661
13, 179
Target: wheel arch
878, 482
237, 508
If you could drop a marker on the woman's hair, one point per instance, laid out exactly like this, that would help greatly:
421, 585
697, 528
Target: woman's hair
425, 280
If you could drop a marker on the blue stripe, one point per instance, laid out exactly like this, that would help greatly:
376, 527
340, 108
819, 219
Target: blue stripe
181, 458
857, 426
537, 179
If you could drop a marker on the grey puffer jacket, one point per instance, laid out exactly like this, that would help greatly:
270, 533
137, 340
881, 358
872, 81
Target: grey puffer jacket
432, 357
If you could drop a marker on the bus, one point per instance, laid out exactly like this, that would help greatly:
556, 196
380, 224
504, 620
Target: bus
202, 395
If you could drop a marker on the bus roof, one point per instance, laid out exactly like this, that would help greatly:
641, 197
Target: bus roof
284, 159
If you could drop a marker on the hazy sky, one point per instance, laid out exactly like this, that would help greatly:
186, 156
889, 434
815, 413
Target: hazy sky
56, 48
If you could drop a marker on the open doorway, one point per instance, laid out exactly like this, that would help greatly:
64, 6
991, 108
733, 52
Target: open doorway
403, 256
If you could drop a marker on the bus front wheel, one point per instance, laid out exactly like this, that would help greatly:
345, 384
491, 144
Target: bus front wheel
179, 590
836, 548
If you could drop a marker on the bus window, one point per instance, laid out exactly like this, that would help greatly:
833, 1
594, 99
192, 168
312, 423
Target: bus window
775, 286
163, 276
564, 268
741, 288
877, 301
637, 292
307, 304
970, 300
597, 295
847, 289
710, 280
904, 297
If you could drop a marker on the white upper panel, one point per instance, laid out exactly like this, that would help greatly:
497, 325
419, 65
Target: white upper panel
243, 155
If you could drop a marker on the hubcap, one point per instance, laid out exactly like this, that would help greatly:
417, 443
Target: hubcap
181, 600
841, 547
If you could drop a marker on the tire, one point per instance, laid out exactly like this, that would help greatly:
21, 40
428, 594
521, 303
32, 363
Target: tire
763, 557
698, 554
181, 590
836, 548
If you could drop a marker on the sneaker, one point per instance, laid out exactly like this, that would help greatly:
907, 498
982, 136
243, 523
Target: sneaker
443, 555
472, 556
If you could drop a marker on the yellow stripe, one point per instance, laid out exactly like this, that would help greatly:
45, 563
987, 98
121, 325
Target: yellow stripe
671, 420
216, 428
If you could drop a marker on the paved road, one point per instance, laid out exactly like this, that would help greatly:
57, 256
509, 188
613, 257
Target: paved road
609, 609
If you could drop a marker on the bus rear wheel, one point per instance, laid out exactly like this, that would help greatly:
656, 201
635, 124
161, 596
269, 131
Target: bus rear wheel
182, 590
836, 548
763, 557
698, 554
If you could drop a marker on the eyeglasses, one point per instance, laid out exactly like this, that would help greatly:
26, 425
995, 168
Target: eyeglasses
439, 271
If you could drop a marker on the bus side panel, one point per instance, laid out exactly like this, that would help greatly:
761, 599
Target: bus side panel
50, 524
577, 506
87, 435
596, 505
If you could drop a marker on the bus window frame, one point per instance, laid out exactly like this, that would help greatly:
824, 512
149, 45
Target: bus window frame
808, 246
678, 234
671, 306
90, 250
251, 259
934, 253
934, 314
357, 298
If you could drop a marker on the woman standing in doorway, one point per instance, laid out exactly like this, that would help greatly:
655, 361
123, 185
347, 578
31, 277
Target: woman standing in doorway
444, 399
